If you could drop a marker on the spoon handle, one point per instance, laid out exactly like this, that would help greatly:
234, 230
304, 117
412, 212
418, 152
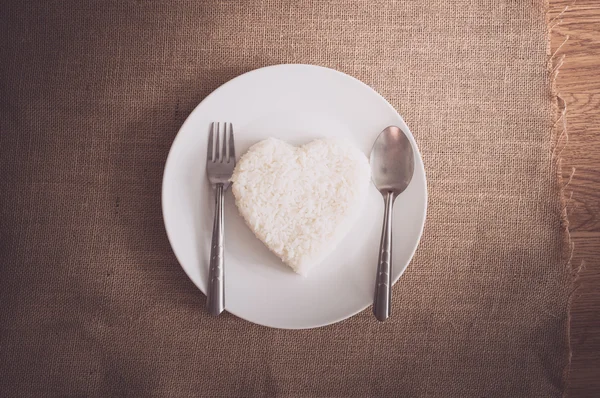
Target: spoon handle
383, 281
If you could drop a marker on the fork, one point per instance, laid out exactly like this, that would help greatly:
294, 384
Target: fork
220, 162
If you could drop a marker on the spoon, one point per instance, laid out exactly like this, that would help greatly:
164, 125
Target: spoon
392, 167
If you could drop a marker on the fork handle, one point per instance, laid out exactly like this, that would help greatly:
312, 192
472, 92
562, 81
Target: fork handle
216, 290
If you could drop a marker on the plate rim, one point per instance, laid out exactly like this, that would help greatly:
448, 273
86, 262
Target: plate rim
420, 165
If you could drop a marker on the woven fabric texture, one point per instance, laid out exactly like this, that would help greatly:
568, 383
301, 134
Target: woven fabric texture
92, 299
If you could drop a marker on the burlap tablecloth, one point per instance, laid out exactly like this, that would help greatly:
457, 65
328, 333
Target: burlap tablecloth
93, 302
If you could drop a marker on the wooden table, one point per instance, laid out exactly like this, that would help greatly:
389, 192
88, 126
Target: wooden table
575, 36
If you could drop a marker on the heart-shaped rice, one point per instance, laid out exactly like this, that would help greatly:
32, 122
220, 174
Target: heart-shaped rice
300, 201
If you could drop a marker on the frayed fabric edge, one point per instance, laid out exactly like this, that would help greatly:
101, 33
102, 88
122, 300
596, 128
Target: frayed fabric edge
560, 140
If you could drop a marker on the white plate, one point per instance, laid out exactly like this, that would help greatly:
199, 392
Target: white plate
295, 103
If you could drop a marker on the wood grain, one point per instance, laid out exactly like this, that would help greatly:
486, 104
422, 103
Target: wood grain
575, 35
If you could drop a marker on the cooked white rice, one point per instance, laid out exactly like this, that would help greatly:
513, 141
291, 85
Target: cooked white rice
300, 201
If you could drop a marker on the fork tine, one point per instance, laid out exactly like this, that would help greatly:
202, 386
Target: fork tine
217, 148
224, 157
209, 156
231, 144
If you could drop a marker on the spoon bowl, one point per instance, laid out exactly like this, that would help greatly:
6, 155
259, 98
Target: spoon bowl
392, 161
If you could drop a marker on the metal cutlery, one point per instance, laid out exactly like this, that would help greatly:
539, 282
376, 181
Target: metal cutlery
392, 168
220, 162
